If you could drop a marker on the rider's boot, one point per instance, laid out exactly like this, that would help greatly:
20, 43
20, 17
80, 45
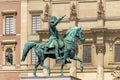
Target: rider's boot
57, 56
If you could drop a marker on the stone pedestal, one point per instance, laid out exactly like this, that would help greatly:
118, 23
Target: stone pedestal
50, 78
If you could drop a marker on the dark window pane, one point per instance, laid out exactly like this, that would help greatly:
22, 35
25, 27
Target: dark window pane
117, 52
87, 53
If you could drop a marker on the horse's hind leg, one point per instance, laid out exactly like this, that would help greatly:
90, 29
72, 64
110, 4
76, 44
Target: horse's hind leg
48, 69
81, 64
35, 69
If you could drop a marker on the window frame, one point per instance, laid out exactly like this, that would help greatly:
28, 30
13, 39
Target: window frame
36, 27
115, 52
11, 31
8, 44
33, 13
5, 14
6, 52
83, 54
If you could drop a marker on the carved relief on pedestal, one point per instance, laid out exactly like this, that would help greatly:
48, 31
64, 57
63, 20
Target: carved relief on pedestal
116, 73
101, 12
73, 13
46, 14
100, 48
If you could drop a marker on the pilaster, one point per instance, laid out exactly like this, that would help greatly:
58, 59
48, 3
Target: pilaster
100, 50
23, 25
73, 71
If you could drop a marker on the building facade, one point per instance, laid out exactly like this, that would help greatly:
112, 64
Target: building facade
27, 20
10, 42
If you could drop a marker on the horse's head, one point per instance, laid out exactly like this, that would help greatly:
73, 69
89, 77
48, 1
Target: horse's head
79, 34
74, 32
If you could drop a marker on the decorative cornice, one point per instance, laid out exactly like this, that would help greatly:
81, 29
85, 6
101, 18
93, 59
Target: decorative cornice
86, 32
43, 32
112, 18
116, 73
9, 12
87, 19
35, 11
60, 2
100, 48
87, 1
69, 0
112, 0
99, 30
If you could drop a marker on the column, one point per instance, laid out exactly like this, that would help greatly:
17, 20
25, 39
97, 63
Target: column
100, 49
73, 71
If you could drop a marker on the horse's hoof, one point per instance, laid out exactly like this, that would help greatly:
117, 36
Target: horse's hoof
49, 74
81, 68
35, 75
61, 75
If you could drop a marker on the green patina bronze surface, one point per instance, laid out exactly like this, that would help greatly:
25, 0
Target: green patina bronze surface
55, 47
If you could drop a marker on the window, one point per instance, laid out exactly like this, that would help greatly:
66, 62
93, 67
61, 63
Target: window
9, 21
35, 23
117, 52
9, 25
34, 57
87, 53
9, 56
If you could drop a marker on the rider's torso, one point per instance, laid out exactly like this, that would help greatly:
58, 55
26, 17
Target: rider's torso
53, 31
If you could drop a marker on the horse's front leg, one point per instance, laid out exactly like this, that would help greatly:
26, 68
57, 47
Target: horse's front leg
81, 63
63, 63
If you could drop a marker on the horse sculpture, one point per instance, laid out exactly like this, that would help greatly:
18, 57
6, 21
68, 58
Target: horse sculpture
67, 50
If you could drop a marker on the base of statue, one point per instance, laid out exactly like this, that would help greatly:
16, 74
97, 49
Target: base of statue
50, 78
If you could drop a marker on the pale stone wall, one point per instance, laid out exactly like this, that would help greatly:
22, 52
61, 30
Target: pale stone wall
87, 15
87, 18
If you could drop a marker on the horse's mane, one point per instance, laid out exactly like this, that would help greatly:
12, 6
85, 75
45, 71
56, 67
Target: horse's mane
70, 30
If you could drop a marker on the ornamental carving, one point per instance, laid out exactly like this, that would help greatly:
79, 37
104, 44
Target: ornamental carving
101, 12
116, 73
73, 13
100, 48
46, 14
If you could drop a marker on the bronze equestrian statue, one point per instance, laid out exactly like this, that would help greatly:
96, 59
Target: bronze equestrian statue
55, 47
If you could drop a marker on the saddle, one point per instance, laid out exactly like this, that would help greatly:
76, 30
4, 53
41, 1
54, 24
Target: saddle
60, 43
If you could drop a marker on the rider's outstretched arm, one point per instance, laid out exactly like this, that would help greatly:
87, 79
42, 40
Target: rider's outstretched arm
58, 20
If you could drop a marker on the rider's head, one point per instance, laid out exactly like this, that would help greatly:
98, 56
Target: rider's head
52, 19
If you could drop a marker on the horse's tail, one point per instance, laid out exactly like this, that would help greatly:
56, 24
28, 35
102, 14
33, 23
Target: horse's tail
27, 47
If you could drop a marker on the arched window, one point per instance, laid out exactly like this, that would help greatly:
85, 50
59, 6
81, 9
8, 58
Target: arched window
117, 50
9, 56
